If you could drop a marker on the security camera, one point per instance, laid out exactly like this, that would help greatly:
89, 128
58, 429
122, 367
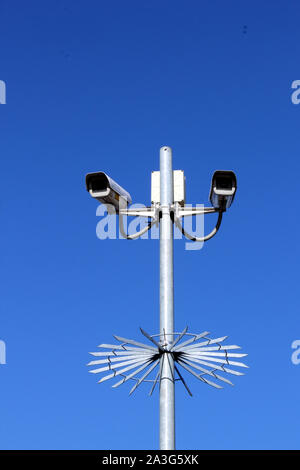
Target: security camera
223, 188
107, 191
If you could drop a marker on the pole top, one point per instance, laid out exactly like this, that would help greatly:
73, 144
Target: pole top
165, 155
165, 148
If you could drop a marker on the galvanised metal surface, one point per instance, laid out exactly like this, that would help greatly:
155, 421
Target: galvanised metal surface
167, 385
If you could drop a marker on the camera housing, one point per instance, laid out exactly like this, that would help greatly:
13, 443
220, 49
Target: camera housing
107, 191
223, 189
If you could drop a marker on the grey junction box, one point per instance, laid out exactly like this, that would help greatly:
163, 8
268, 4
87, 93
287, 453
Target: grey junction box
178, 184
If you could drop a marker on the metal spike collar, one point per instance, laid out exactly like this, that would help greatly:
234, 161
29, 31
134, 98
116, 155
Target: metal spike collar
138, 361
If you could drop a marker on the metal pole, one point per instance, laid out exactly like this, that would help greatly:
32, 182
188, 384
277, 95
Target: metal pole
167, 384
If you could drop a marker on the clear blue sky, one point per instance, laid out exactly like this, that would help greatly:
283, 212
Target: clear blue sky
100, 85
